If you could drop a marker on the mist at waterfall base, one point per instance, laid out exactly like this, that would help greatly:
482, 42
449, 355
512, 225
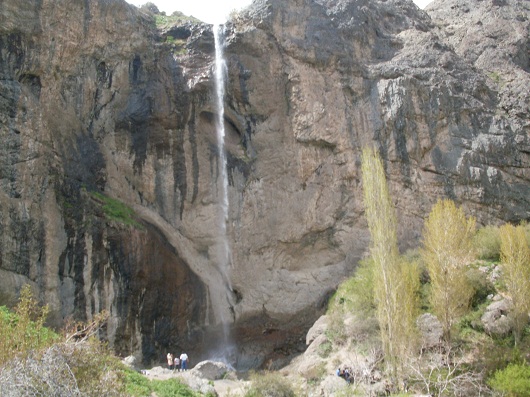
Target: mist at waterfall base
225, 350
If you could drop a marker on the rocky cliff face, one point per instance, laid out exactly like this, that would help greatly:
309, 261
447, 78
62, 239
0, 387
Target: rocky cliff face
100, 113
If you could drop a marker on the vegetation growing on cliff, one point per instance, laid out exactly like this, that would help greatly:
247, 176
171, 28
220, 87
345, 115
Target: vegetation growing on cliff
163, 21
464, 274
34, 360
117, 211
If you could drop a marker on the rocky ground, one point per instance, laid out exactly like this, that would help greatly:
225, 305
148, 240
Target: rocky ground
206, 377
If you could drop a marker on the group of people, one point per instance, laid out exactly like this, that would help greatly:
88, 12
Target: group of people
346, 374
177, 363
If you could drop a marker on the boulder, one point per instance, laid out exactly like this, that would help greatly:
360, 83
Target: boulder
495, 318
318, 328
333, 385
211, 370
431, 330
200, 385
130, 361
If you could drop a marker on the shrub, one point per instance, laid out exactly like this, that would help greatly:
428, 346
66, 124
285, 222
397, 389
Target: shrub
487, 242
117, 211
35, 361
65, 369
356, 293
325, 349
514, 380
482, 287
353, 296
269, 385
171, 387
23, 331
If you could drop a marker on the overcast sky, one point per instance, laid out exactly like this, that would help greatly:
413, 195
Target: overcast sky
211, 11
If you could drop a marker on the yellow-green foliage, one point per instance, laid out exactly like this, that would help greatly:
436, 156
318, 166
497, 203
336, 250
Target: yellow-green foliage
269, 385
487, 243
447, 251
37, 361
95, 367
515, 263
356, 293
23, 331
513, 381
395, 281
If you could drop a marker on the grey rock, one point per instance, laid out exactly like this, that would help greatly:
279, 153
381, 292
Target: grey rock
495, 319
95, 101
431, 330
318, 328
210, 370
130, 361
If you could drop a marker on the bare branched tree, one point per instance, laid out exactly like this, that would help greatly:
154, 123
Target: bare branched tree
445, 373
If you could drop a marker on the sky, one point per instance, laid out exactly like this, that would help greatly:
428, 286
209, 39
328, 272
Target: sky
211, 11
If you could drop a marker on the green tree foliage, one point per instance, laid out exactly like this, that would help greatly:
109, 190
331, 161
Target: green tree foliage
447, 251
395, 281
356, 293
515, 264
513, 381
34, 360
23, 331
487, 242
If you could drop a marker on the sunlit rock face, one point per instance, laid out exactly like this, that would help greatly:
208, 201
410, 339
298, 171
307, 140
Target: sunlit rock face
97, 104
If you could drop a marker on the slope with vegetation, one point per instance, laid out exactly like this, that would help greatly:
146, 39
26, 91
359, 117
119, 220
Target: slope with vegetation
36, 361
471, 331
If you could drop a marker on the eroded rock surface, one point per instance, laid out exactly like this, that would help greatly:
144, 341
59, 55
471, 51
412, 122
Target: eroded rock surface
96, 103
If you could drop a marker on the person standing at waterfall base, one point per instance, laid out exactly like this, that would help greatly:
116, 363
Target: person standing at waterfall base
177, 363
169, 360
183, 361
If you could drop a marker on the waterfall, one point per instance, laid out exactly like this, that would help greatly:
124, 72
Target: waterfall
220, 72
224, 255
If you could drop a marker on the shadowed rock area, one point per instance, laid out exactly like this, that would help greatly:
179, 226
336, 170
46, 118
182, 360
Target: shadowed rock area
108, 162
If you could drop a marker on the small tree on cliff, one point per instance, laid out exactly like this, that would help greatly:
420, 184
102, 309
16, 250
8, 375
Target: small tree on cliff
515, 264
447, 250
395, 280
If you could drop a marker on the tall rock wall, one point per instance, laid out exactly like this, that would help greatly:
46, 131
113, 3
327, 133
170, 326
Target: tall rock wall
102, 114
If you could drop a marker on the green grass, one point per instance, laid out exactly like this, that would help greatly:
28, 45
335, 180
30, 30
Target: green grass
178, 45
162, 21
496, 77
117, 211
137, 385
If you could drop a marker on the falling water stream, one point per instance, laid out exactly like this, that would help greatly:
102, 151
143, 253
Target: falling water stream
224, 255
220, 71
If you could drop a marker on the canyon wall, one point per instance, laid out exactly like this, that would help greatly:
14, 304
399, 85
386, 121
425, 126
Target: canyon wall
108, 168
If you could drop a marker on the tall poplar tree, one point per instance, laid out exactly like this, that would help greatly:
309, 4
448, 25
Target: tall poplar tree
395, 281
447, 251
515, 264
